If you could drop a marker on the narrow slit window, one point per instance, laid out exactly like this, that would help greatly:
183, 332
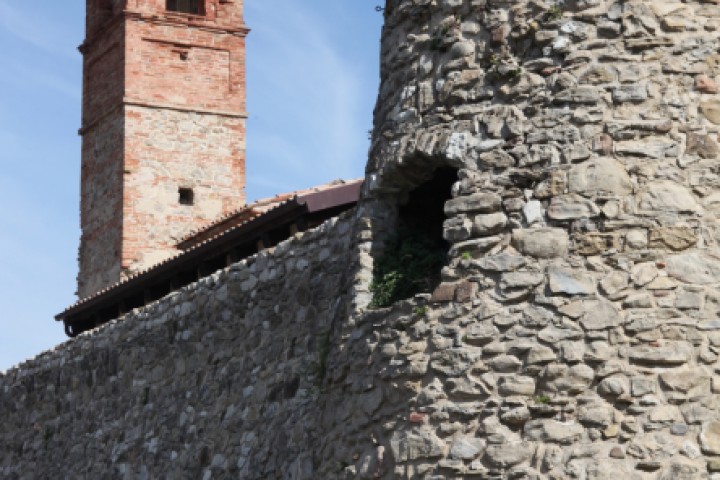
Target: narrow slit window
186, 196
193, 7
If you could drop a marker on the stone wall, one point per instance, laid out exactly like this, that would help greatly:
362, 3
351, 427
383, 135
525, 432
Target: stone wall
196, 151
222, 379
103, 131
579, 333
101, 205
574, 334
185, 126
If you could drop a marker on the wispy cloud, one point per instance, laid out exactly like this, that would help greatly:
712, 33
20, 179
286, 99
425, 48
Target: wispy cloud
32, 29
21, 75
272, 184
299, 72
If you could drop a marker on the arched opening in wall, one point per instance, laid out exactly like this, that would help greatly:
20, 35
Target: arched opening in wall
414, 252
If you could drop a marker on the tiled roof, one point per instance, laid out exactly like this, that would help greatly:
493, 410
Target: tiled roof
203, 242
252, 210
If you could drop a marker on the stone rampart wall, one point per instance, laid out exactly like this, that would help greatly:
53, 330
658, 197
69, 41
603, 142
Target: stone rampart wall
218, 380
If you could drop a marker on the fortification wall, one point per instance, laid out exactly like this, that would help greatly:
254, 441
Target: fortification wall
218, 380
579, 332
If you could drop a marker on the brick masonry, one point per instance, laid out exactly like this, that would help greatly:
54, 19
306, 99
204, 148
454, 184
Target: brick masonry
163, 109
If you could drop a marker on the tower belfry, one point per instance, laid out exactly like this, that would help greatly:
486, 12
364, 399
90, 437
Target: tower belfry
163, 129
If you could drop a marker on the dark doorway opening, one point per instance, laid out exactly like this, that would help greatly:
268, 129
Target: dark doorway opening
424, 210
415, 252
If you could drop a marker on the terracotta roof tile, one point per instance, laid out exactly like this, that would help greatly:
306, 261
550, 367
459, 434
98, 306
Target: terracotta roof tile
252, 210
217, 229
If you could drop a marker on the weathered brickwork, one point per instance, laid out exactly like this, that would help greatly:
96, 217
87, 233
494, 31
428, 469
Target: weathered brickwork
182, 152
101, 204
177, 82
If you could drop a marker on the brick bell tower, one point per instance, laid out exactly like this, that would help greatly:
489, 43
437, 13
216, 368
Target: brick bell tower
163, 129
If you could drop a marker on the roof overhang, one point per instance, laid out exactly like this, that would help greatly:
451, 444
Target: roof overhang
233, 244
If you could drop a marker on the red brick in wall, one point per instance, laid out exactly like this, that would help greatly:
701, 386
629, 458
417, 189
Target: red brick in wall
163, 109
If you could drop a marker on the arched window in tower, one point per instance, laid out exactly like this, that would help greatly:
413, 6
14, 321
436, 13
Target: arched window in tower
194, 7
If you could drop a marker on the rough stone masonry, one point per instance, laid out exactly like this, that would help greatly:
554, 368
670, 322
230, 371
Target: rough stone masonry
575, 333
582, 338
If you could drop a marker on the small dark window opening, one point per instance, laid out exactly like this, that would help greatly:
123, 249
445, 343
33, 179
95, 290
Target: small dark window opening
186, 196
415, 253
193, 7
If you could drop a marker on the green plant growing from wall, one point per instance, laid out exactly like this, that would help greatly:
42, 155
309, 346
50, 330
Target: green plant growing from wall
421, 310
498, 69
553, 13
436, 44
410, 264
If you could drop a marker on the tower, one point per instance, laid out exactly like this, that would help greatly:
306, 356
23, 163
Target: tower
163, 129
578, 310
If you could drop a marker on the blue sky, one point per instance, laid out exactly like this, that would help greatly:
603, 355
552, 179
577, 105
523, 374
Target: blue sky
312, 83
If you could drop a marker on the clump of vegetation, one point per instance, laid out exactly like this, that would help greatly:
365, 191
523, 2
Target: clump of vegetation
553, 13
436, 44
421, 310
499, 70
542, 399
410, 264
510, 73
